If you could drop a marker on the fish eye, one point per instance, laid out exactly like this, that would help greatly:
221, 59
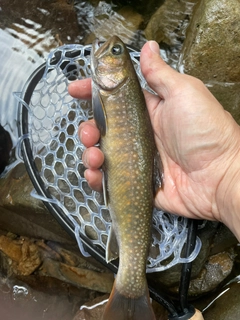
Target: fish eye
117, 49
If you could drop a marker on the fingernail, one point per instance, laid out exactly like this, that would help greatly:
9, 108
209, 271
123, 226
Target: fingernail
153, 45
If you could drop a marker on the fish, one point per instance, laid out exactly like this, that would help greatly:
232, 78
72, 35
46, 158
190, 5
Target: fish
127, 142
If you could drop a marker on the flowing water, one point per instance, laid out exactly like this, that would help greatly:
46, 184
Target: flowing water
28, 31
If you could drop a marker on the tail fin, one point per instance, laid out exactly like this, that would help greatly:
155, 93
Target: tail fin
120, 307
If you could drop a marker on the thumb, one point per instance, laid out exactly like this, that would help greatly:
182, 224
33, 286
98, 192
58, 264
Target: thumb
159, 76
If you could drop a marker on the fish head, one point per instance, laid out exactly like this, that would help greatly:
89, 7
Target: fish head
110, 63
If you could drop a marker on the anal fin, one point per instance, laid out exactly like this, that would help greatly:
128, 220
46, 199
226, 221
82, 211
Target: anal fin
112, 250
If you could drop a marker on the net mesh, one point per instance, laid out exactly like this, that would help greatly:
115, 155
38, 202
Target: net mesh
53, 120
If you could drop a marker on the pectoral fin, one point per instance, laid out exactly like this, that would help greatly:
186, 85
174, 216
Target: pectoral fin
112, 250
98, 110
104, 186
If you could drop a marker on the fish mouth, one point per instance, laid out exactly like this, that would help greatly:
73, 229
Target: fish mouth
95, 55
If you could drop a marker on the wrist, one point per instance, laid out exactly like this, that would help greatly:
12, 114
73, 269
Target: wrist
235, 223
228, 196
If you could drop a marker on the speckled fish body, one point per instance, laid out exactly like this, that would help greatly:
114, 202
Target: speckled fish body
128, 146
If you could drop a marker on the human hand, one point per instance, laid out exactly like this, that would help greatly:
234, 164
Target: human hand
197, 139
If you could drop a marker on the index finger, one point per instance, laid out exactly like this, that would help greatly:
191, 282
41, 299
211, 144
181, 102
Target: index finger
81, 89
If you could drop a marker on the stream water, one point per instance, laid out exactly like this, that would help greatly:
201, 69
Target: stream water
19, 301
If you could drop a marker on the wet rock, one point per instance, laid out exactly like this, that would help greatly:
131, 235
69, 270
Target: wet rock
85, 278
223, 240
226, 305
217, 268
25, 215
24, 256
211, 50
23, 253
73, 258
228, 94
167, 24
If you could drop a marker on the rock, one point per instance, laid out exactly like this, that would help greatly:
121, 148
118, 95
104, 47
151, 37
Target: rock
217, 268
228, 94
23, 253
24, 215
167, 23
211, 50
101, 282
223, 240
226, 305
24, 256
